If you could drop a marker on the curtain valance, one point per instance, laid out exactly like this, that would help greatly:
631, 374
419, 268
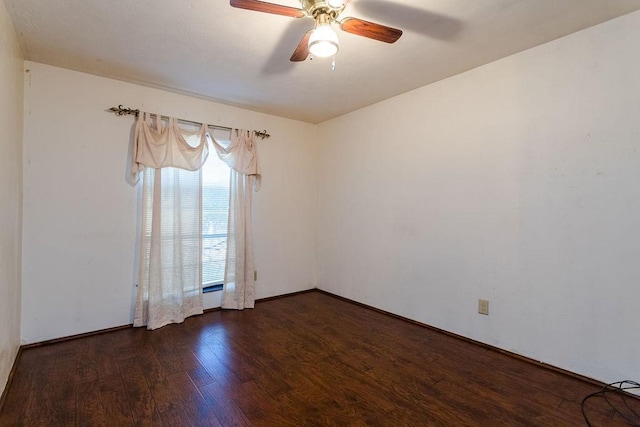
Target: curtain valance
241, 155
166, 146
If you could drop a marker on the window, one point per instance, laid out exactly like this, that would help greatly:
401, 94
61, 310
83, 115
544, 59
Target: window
215, 217
215, 210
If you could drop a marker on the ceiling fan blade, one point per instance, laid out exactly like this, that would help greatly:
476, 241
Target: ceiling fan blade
262, 6
371, 30
302, 50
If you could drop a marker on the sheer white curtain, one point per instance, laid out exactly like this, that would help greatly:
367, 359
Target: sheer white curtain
170, 272
242, 156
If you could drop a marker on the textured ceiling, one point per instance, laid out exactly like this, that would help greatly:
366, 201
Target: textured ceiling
240, 57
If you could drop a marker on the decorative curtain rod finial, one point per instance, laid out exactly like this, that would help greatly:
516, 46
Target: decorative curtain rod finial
262, 134
121, 111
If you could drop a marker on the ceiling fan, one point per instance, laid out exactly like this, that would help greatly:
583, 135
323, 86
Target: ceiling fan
322, 41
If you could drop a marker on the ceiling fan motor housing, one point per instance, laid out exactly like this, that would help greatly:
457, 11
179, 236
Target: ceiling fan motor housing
316, 8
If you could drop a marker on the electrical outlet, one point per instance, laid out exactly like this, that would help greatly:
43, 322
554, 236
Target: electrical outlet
483, 306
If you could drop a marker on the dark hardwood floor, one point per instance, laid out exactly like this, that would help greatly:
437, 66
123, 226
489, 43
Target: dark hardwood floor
305, 360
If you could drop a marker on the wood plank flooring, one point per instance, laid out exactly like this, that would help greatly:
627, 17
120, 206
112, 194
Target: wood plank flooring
305, 360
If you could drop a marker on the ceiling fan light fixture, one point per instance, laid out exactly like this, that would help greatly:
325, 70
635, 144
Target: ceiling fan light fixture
323, 41
336, 4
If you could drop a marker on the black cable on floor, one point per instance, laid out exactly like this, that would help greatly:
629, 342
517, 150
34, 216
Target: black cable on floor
619, 389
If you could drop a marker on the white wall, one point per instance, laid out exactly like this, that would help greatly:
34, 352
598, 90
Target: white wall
10, 194
518, 182
80, 214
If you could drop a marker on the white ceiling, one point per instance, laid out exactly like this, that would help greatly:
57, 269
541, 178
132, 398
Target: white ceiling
241, 57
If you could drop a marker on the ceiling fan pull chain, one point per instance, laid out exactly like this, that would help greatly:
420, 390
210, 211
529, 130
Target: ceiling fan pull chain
333, 63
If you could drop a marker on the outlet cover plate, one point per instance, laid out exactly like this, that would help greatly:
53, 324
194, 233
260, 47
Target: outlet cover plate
483, 306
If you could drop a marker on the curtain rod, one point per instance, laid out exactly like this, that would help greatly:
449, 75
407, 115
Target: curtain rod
122, 111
